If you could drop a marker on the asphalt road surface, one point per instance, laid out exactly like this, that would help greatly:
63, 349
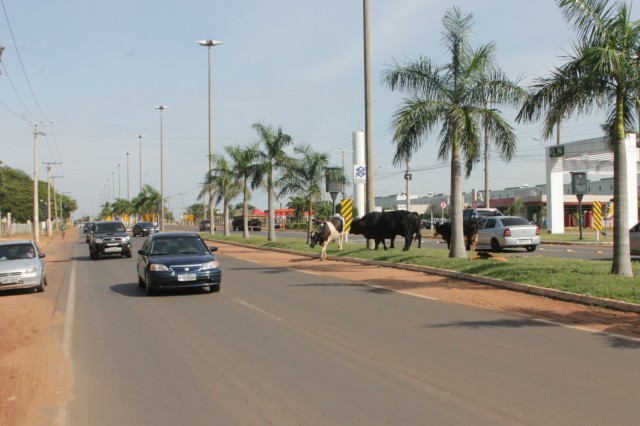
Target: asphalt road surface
284, 347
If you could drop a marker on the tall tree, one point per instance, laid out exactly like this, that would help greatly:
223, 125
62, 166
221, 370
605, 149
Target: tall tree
454, 96
147, 202
244, 169
225, 186
305, 176
601, 73
271, 157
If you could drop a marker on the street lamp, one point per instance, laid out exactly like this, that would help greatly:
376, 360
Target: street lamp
161, 108
128, 195
209, 44
119, 181
140, 139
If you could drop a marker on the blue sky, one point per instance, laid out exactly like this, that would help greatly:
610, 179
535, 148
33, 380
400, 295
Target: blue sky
96, 69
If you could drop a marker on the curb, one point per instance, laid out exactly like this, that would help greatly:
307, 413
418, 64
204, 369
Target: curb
494, 282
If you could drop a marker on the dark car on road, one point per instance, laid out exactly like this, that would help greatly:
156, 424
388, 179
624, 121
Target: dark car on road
252, 223
144, 228
177, 260
109, 238
205, 225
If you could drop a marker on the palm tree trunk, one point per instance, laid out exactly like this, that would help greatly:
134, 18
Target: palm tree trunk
245, 212
309, 211
271, 203
227, 231
457, 249
621, 264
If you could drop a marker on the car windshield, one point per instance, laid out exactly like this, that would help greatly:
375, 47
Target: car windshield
177, 246
109, 227
514, 221
144, 224
17, 251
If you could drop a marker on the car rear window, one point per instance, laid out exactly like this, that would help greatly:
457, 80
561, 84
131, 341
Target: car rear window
514, 221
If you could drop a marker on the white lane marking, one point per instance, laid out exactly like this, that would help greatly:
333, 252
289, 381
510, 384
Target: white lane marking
255, 308
69, 314
61, 418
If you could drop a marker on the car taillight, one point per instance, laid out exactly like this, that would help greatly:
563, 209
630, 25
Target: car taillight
507, 232
537, 230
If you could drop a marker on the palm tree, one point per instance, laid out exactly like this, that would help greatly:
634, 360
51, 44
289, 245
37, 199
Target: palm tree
225, 185
121, 207
602, 72
243, 170
305, 176
453, 96
268, 161
147, 202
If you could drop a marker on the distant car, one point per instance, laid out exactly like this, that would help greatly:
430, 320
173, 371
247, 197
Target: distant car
479, 213
634, 239
109, 238
22, 265
426, 224
205, 225
175, 260
253, 224
500, 232
144, 229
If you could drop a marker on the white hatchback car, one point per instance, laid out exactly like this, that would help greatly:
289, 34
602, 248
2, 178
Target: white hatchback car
499, 232
634, 239
22, 265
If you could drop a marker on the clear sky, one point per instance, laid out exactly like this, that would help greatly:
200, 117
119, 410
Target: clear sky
95, 69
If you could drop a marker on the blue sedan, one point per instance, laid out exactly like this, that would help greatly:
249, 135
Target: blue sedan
177, 260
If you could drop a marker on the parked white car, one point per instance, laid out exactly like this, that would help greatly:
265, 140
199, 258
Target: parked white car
22, 265
634, 239
499, 232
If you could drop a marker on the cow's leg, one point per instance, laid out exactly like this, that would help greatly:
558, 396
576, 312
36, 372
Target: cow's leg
419, 238
323, 252
392, 243
340, 240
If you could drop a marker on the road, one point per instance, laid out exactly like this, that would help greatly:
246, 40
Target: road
285, 347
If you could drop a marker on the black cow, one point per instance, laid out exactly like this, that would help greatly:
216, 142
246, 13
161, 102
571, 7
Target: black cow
330, 230
378, 226
469, 229
417, 225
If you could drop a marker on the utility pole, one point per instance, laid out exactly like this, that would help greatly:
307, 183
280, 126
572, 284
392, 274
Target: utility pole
36, 213
48, 164
140, 141
368, 132
407, 178
55, 211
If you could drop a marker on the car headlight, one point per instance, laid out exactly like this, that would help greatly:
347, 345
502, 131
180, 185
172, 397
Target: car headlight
210, 265
99, 240
125, 239
158, 267
31, 270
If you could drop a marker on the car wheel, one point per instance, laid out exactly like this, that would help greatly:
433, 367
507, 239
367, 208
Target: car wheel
93, 255
214, 288
128, 255
40, 288
495, 246
531, 248
140, 282
148, 289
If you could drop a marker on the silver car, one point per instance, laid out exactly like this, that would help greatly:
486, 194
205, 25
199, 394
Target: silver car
499, 232
634, 239
22, 265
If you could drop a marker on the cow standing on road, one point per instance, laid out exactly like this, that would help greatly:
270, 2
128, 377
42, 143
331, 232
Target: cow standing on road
378, 226
331, 230
469, 229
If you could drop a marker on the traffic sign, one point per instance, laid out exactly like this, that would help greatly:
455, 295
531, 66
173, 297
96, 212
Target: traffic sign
443, 205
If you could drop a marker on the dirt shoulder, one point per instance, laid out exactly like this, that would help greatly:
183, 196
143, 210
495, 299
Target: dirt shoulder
452, 290
35, 376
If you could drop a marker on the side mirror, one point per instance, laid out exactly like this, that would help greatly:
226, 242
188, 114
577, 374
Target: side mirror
213, 249
142, 252
41, 255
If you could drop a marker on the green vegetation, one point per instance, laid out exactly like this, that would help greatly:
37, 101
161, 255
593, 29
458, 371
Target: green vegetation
586, 277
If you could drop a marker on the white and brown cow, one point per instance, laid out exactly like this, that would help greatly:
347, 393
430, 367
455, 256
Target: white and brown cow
331, 230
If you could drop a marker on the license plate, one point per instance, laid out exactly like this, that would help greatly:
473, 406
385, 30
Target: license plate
187, 277
10, 280
527, 241
113, 249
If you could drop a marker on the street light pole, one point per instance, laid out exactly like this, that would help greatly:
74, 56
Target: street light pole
161, 108
128, 194
36, 212
140, 139
119, 181
209, 44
